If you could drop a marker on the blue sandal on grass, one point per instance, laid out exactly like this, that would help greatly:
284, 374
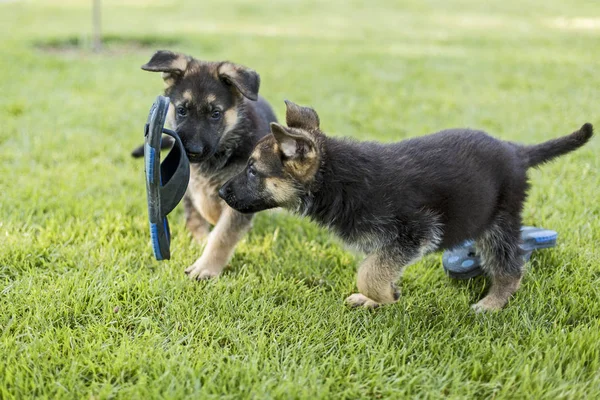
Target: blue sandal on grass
462, 262
166, 183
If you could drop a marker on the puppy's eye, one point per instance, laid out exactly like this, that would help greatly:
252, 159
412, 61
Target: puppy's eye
216, 115
251, 171
181, 111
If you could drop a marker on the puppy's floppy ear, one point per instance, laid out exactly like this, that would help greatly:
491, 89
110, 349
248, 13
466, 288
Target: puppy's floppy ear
301, 117
245, 80
172, 65
293, 144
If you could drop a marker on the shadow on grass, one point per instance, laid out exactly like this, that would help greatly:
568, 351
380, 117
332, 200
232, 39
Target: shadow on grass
111, 44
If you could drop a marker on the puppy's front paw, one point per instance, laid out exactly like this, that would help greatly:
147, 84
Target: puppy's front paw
198, 272
487, 305
358, 299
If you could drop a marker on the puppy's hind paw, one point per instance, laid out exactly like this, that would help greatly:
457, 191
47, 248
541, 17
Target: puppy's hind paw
358, 299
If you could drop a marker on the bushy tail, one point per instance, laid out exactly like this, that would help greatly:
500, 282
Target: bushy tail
547, 151
166, 143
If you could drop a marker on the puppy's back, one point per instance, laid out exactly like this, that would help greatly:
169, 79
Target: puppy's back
459, 175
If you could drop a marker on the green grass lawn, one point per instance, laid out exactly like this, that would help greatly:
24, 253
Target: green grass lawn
85, 310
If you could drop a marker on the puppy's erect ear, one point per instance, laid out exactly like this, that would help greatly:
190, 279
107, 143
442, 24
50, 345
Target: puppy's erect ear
172, 65
245, 80
293, 144
301, 117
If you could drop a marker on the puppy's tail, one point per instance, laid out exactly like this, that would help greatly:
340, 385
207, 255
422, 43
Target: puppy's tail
544, 152
166, 143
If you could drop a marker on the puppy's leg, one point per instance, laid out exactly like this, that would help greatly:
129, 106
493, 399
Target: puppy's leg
228, 231
502, 261
196, 224
377, 276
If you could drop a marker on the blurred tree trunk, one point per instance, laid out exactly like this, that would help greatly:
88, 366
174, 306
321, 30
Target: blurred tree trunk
97, 32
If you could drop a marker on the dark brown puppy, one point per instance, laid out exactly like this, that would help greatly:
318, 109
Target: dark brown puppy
216, 110
399, 201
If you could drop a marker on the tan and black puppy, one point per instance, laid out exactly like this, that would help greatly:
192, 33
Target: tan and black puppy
397, 202
219, 116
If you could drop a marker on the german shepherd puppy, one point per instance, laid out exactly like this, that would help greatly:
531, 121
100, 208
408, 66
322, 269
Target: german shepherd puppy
397, 202
219, 116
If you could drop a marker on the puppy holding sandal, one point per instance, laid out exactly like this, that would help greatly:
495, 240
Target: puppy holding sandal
217, 117
398, 202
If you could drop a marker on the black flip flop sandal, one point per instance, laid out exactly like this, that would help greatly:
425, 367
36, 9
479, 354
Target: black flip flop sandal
463, 262
166, 183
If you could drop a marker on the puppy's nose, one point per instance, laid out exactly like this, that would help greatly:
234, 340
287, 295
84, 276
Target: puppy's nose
224, 191
195, 150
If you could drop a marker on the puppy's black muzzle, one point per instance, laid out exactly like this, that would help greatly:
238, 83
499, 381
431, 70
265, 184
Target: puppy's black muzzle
195, 157
198, 151
228, 194
225, 192
194, 151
